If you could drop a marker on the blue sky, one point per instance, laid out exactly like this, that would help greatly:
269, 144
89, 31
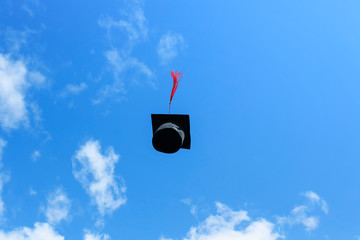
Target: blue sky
272, 90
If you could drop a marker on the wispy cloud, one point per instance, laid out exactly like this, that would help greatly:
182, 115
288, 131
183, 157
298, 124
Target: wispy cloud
315, 199
134, 27
16, 40
119, 66
95, 171
41, 231
193, 207
35, 155
123, 35
93, 236
73, 89
36, 79
302, 214
30, 5
2, 146
27, 9
58, 207
163, 238
169, 46
3, 177
32, 192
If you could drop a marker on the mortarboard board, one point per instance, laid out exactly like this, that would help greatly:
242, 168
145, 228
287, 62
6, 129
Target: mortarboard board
170, 132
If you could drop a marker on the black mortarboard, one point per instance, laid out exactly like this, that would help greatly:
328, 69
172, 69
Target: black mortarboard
170, 132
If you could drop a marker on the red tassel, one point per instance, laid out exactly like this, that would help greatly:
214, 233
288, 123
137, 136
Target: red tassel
176, 80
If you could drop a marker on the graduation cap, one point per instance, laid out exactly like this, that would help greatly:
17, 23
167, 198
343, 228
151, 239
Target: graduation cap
170, 132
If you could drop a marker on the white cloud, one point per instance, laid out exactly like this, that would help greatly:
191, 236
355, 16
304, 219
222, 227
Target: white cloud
299, 215
91, 236
32, 192
163, 238
15, 79
228, 224
13, 85
58, 206
41, 231
2, 146
95, 172
312, 196
3, 177
35, 155
315, 199
169, 46
73, 89
302, 214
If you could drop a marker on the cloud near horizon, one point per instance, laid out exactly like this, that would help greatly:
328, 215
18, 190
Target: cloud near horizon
41, 231
228, 224
93, 236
